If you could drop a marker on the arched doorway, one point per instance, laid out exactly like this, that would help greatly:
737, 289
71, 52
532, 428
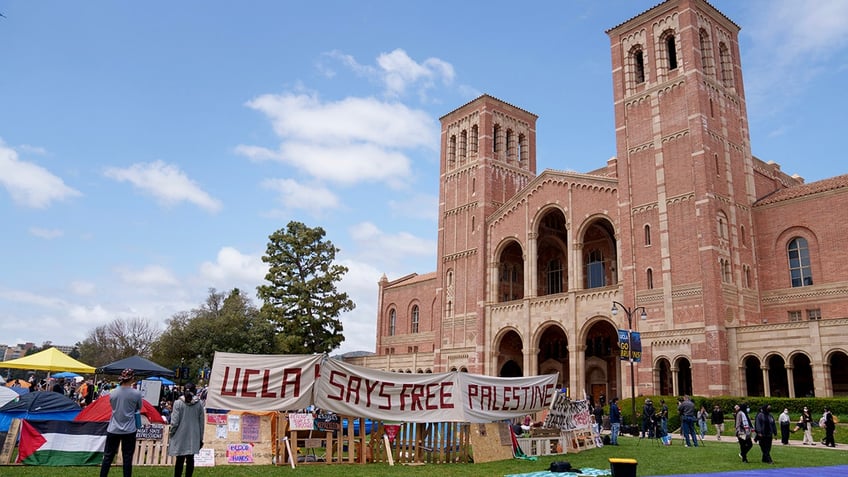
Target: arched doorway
802, 375
684, 376
753, 377
553, 352
666, 382
510, 355
839, 373
601, 355
778, 381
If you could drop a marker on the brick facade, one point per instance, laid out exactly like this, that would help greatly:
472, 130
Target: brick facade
736, 265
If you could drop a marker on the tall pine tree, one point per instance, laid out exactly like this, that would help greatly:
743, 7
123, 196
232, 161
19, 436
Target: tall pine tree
301, 297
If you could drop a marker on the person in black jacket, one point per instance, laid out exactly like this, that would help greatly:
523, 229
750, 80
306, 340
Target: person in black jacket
829, 427
766, 430
648, 412
717, 420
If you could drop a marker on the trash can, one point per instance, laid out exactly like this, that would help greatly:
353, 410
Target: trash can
623, 467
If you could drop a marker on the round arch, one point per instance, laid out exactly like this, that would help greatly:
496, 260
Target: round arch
509, 350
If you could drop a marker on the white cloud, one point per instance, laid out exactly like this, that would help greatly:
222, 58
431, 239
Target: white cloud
29, 184
151, 275
48, 234
294, 195
166, 182
417, 206
379, 247
35, 150
29, 298
79, 287
360, 325
232, 266
349, 141
401, 72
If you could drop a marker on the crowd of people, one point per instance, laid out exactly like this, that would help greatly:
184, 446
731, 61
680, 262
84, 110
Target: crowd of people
762, 428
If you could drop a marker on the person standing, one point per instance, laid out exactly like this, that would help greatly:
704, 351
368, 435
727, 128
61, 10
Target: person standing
829, 427
806, 424
598, 414
125, 402
702, 422
743, 432
766, 430
686, 408
717, 420
784, 421
664, 417
647, 419
186, 433
615, 421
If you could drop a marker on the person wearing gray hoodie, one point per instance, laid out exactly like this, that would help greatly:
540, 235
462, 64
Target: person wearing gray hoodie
186, 433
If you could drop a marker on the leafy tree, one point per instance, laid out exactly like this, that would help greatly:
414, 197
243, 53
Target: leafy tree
224, 322
302, 298
116, 340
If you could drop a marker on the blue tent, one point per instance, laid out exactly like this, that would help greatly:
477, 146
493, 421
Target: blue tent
39, 406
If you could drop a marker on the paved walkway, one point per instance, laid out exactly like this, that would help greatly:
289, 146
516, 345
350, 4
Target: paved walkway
794, 441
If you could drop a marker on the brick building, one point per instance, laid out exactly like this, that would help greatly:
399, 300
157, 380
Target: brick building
731, 271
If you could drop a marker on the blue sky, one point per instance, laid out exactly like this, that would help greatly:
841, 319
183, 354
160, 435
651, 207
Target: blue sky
148, 149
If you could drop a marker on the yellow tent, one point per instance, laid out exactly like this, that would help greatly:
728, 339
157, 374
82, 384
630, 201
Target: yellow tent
48, 360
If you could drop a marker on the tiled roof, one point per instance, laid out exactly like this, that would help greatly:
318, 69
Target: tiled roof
833, 183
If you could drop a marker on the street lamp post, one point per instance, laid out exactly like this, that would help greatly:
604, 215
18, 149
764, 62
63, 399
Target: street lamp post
629, 313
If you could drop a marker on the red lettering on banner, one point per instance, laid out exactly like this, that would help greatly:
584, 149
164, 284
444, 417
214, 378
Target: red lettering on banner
387, 397
369, 388
336, 385
445, 396
291, 377
224, 391
242, 382
266, 378
245, 381
353, 385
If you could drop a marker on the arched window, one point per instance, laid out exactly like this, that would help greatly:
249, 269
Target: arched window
473, 141
799, 262
746, 271
452, 152
647, 235
649, 276
473, 223
414, 324
671, 51
639, 66
726, 65
463, 145
722, 226
706, 52
496, 137
595, 270
743, 236
392, 321
554, 276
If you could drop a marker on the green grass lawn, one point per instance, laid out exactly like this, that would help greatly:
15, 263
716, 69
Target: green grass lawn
652, 460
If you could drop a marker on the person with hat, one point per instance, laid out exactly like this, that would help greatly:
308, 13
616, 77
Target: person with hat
126, 403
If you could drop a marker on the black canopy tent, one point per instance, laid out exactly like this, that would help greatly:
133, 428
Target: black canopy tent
142, 367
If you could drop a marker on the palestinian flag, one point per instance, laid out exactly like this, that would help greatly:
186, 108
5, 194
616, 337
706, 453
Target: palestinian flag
62, 442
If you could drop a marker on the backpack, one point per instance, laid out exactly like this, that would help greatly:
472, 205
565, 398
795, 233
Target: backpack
560, 466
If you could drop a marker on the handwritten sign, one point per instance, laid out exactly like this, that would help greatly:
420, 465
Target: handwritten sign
301, 421
328, 422
239, 453
205, 458
220, 419
250, 428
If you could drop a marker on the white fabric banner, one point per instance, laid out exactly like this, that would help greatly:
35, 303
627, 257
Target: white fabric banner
446, 397
358, 391
266, 382
490, 398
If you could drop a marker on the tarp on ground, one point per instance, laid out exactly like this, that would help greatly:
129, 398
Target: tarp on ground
141, 366
50, 359
101, 410
39, 405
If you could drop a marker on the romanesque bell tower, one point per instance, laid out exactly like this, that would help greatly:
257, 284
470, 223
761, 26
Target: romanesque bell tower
488, 153
686, 183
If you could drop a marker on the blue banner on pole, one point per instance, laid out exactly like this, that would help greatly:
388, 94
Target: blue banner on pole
630, 344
